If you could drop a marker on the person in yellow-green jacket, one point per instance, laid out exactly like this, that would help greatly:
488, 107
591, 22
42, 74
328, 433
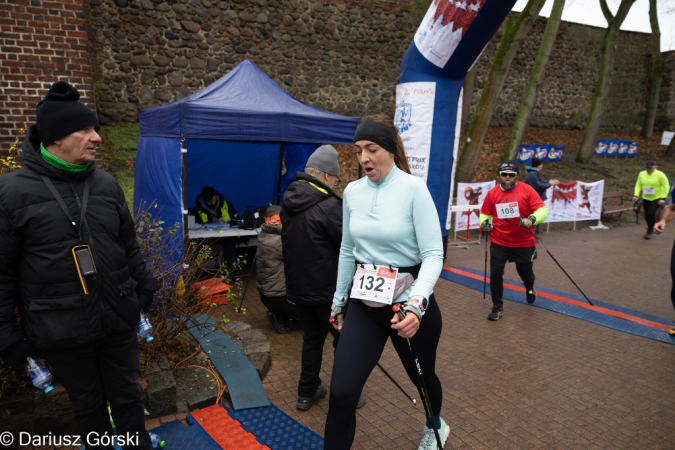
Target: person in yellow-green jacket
654, 186
212, 207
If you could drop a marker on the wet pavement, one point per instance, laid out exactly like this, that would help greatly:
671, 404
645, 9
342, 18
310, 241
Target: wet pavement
535, 378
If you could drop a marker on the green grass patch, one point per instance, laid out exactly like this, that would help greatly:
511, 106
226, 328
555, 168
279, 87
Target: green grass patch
120, 136
118, 154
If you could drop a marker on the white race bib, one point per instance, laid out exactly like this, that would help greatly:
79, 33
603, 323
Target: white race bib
375, 284
647, 191
507, 210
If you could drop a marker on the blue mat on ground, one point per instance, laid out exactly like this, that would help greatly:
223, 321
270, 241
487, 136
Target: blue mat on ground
276, 429
243, 382
594, 314
179, 437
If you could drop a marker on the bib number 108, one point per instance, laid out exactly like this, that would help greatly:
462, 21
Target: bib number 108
507, 211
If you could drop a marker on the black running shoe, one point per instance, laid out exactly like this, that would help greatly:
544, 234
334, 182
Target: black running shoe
496, 314
649, 234
531, 295
304, 403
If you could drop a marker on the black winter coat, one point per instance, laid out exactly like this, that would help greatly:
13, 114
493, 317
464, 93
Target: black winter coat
37, 270
311, 235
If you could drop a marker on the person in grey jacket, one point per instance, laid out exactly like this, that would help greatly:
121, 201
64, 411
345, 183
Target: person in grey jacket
270, 277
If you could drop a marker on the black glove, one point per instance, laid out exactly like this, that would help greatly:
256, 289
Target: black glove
144, 301
527, 222
15, 355
486, 226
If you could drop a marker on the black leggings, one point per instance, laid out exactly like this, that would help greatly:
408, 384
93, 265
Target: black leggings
650, 207
497, 278
362, 341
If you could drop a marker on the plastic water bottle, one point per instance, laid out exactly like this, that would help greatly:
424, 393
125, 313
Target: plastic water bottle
39, 374
144, 328
157, 442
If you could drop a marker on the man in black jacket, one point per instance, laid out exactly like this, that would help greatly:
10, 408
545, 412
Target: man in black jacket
311, 236
70, 262
534, 179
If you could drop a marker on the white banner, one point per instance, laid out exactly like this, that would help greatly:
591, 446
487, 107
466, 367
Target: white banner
574, 201
414, 120
470, 194
667, 137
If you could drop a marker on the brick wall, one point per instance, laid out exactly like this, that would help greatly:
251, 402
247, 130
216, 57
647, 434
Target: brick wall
40, 42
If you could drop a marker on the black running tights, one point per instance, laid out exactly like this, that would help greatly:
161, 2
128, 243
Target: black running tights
364, 335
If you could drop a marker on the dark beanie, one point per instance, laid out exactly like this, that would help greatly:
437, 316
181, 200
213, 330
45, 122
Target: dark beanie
60, 114
536, 162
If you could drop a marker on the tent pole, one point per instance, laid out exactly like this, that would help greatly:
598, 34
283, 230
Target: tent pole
183, 155
281, 168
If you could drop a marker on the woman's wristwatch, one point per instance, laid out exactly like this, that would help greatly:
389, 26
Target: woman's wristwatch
416, 305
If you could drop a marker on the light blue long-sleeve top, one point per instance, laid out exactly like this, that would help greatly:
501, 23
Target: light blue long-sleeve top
390, 222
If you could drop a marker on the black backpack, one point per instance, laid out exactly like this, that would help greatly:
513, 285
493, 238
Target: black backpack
255, 218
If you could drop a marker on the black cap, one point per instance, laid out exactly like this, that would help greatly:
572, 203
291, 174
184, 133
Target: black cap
650, 164
60, 113
509, 166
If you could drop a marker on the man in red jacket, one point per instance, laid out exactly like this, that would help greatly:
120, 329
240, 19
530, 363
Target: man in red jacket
513, 208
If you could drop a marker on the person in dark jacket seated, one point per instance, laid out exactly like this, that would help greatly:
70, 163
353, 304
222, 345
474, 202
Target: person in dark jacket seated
70, 262
269, 267
311, 235
211, 207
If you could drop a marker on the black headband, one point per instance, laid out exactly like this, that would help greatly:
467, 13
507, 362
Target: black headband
378, 133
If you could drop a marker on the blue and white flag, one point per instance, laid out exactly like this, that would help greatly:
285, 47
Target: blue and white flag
546, 152
616, 147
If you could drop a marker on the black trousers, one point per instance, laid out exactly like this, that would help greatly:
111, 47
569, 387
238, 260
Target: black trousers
650, 207
364, 335
315, 321
497, 265
104, 371
280, 306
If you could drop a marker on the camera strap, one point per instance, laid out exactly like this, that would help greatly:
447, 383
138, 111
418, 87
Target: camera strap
63, 206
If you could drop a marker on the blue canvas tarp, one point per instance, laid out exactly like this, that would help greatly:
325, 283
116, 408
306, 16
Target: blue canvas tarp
236, 132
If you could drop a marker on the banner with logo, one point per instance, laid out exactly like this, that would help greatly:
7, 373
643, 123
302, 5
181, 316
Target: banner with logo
414, 120
616, 147
546, 152
449, 40
470, 194
573, 201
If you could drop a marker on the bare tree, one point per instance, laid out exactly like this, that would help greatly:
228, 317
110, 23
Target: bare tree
657, 73
586, 149
514, 33
532, 89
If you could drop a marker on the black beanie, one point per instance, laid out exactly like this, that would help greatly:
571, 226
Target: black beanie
60, 114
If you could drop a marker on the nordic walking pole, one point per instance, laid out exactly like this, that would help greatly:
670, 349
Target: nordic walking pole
414, 402
487, 238
423, 387
561, 267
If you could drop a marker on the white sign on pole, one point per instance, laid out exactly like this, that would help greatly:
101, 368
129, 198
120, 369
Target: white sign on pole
414, 120
667, 137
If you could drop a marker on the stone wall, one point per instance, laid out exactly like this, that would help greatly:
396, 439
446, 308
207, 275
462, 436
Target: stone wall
336, 55
40, 42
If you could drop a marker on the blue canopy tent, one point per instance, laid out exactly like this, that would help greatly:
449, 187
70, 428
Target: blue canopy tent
232, 135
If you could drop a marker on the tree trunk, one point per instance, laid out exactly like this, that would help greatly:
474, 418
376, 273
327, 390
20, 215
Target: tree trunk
467, 97
514, 33
657, 73
590, 137
532, 89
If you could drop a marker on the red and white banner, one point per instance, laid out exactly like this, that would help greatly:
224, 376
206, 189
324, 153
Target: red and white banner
470, 194
574, 201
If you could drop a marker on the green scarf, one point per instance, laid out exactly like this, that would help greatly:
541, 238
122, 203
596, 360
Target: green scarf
59, 163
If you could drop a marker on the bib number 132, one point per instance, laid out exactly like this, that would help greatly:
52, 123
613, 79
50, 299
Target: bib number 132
374, 283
